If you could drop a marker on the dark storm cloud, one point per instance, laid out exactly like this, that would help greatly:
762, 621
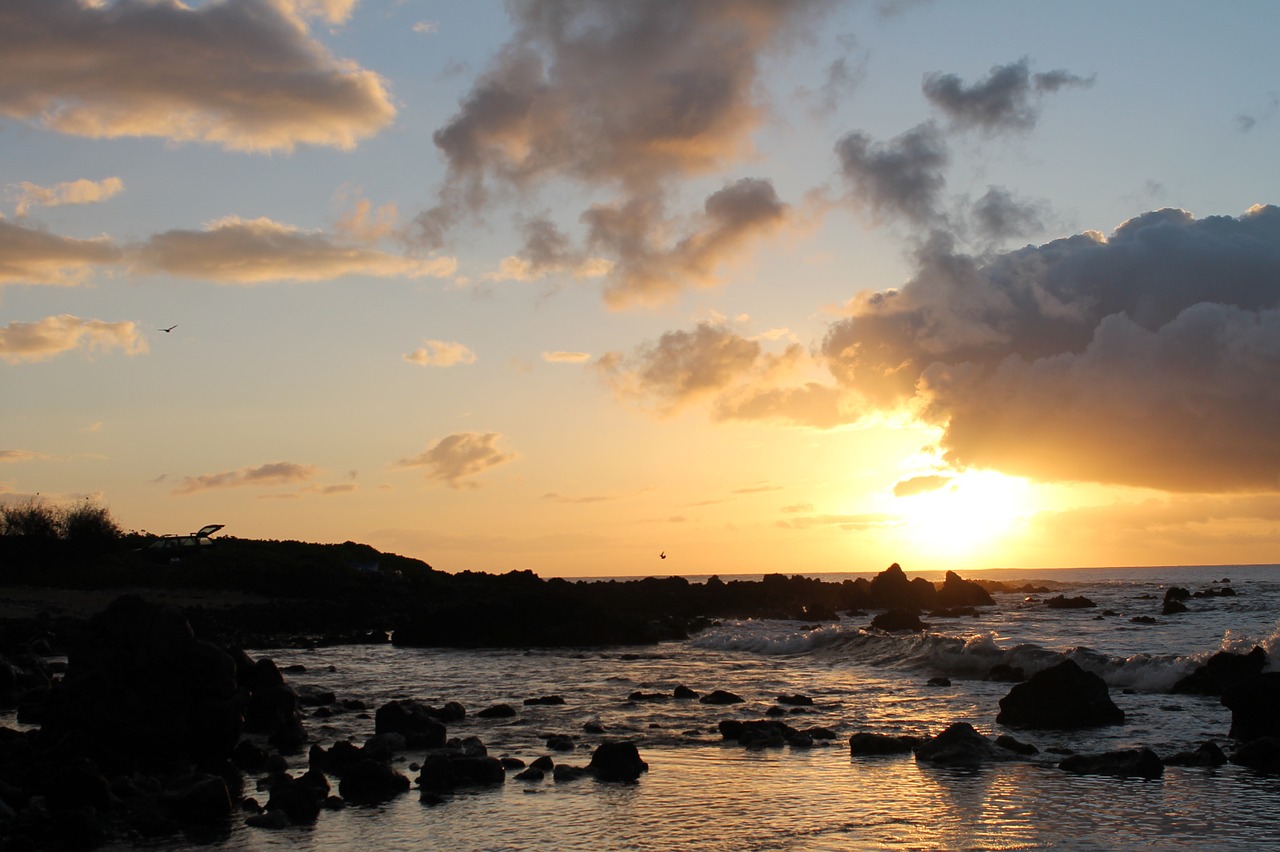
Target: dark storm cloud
901, 177
998, 215
1008, 99
1149, 358
243, 74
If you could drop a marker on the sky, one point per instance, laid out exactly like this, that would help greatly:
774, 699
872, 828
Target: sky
597, 288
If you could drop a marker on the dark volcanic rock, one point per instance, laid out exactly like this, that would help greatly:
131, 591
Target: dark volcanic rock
721, 696
1125, 763
1005, 673
497, 711
1064, 602
764, 733
370, 782
544, 700
1255, 707
1208, 754
957, 592
960, 744
1260, 755
1222, 670
866, 744
198, 798
415, 722
1173, 608
684, 692
1064, 697
443, 773
617, 761
1008, 743
890, 589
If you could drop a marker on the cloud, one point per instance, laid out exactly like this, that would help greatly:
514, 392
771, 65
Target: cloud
561, 357
998, 215
1246, 122
463, 454
920, 485
275, 473
254, 251
34, 256
441, 353
44, 339
362, 224
740, 379
902, 177
11, 456
1008, 99
81, 191
426, 27
626, 99
649, 273
849, 523
243, 74
1148, 358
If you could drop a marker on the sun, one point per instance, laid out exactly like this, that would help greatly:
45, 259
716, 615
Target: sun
973, 510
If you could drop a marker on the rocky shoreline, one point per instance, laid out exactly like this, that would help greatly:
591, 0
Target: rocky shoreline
159, 723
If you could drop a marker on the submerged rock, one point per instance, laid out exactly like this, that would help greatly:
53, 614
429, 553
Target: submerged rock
721, 696
370, 782
1064, 602
1125, 763
896, 620
960, 744
1208, 754
865, 744
1063, 697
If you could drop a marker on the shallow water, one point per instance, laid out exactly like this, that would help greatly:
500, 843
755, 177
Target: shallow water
703, 794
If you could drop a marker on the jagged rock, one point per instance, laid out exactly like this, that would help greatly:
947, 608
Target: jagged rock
960, 744
443, 773
958, 592
721, 697
413, 721
1064, 602
684, 692
1173, 608
1125, 763
1255, 707
890, 589
1063, 696
1224, 669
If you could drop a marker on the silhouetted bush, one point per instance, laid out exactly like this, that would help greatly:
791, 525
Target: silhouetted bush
89, 525
31, 519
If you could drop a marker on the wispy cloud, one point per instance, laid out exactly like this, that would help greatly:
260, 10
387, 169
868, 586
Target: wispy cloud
457, 457
44, 339
81, 191
441, 353
253, 251
562, 357
34, 256
272, 474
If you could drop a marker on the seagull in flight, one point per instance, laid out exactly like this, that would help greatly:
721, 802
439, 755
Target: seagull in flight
169, 329
662, 555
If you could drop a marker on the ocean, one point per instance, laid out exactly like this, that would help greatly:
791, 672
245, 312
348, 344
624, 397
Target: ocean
701, 793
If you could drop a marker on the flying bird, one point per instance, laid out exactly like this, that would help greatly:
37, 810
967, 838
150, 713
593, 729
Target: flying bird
169, 329
662, 555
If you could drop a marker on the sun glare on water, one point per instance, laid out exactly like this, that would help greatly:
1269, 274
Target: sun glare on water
973, 510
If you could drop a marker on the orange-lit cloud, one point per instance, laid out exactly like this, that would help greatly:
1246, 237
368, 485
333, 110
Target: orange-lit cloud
275, 473
920, 485
441, 353
851, 523
455, 458
11, 456
81, 191
253, 251
1147, 358
243, 74
740, 379
34, 256
560, 357
43, 339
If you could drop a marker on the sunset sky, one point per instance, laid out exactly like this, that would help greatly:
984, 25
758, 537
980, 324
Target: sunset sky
561, 285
